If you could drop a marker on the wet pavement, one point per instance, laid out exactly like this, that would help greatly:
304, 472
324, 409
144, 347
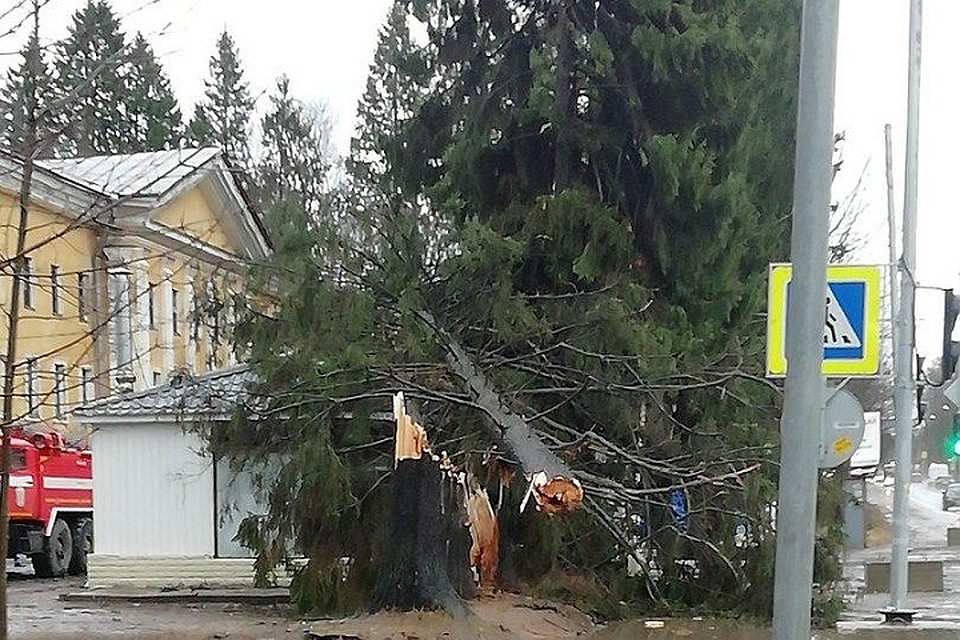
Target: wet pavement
35, 611
733, 630
928, 525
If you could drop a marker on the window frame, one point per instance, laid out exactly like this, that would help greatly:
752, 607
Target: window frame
87, 392
194, 316
59, 390
174, 310
83, 314
26, 283
18, 459
30, 385
151, 306
56, 300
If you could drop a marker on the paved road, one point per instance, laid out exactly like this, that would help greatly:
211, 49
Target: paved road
928, 521
36, 613
928, 524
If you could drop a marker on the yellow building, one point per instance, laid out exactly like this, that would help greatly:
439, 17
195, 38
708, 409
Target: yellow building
133, 265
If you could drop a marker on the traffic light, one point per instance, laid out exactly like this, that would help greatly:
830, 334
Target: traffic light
952, 444
951, 349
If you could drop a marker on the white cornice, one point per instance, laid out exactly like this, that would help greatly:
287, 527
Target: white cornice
212, 252
50, 189
134, 214
246, 217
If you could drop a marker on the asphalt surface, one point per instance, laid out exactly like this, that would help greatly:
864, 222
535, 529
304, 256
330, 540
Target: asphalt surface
928, 524
35, 612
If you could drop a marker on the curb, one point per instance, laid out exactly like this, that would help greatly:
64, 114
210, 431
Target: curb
262, 597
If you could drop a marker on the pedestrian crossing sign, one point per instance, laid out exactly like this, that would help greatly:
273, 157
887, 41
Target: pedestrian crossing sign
851, 324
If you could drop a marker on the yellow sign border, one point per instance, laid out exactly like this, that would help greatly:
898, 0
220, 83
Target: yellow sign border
869, 364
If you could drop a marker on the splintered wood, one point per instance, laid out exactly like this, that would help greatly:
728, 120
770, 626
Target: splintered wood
556, 495
485, 536
553, 484
411, 440
411, 443
553, 494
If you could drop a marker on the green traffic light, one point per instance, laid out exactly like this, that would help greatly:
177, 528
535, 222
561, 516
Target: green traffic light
952, 446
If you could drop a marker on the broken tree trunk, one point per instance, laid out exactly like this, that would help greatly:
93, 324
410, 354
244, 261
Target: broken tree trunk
416, 572
485, 537
553, 484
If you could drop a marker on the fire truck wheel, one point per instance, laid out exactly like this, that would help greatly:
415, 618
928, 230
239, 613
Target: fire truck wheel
82, 545
57, 552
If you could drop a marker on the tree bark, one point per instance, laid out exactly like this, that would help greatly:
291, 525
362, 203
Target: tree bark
13, 318
415, 574
553, 485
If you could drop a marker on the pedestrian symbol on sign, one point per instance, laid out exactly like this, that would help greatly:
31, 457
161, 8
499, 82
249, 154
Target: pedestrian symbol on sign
837, 330
851, 320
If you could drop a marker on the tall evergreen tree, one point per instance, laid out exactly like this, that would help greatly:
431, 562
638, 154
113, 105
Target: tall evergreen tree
88, 86
34, 69
395, 89
152, 114
616, 177
222, 117
293, 165
397, 86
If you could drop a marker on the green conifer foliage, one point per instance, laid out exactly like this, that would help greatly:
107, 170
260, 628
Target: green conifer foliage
293, 159
621, 174
88, 85
599, 186
12, 98
222, 117
110, 96
152, 115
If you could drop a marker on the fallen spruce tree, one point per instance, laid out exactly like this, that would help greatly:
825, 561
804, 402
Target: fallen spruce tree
433, 502
567, 278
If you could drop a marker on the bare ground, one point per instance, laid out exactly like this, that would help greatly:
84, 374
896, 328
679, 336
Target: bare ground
504, 617
35, 613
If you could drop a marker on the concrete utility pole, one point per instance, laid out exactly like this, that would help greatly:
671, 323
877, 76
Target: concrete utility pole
892, 230
903, 352
805, 389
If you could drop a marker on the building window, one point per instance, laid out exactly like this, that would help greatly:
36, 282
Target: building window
175, 311
59, 389
151, 308
82, 296
194, 318
27, 284
30, 386
55, 290
86, 384
156, 378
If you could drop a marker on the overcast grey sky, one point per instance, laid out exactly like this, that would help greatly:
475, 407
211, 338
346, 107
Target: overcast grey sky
326, 47
871, 91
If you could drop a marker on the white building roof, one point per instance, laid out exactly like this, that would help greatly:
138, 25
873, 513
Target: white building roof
211, 395
137, 174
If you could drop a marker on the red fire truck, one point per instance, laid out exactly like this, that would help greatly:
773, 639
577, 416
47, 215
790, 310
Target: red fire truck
51, 503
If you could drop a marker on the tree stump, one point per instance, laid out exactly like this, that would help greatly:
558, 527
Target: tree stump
415, 574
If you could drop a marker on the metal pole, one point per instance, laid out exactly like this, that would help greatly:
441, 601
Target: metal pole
903, 359
892, 231
804, 389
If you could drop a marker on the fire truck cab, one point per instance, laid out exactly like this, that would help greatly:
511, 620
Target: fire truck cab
51, 503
